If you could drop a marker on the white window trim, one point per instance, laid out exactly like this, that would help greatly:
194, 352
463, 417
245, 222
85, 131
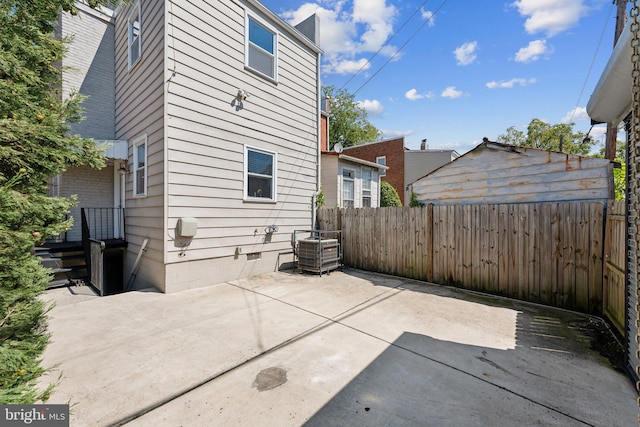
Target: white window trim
248, 16
370, 190
135, 13
274, 181
141, 140
382, 172
353, 179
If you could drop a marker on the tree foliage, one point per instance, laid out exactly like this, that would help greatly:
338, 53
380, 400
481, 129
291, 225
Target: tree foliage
34, 146
348, 123
388, 196
414, 202
545, 136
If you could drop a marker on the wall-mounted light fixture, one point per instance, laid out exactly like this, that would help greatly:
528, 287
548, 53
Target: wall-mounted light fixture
242, 95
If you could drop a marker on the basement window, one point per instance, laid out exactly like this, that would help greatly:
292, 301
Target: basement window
254, 256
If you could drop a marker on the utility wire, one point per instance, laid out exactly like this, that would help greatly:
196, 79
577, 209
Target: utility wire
400, 48
368, 61
593, 60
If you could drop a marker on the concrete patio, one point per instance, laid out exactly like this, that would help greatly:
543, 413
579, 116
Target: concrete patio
348, 348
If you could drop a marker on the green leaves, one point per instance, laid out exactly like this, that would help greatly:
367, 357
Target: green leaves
545, 136
348, 122
388, 196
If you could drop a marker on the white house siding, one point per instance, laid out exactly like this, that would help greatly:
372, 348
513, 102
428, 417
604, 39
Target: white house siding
486, 175
206, 134
88, 68
420, 163
139, 111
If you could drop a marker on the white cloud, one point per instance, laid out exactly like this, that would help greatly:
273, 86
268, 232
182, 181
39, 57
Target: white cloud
466, 53
451, 92
578, 113
350, 31
508, 84
429, 16
345, 66
388, 134
373, 107
413, 95
550, 16
533, 51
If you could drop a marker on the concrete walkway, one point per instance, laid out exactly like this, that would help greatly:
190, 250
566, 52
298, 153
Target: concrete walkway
349, 348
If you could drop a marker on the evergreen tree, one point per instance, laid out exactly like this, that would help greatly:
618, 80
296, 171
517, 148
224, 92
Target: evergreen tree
34, 146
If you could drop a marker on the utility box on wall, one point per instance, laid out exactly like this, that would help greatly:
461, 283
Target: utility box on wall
186, 227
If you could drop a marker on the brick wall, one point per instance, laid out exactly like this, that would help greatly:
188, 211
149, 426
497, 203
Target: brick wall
94, 189
88, 67
393, 150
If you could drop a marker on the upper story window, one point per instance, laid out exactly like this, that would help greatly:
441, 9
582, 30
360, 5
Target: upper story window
140, 166
261, 48
366, 188
348, 188
134, 38
260, 178
382, 160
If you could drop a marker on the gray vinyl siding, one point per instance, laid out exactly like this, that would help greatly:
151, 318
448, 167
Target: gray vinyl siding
487, 175
206, 133
88, 68
420, 163
140, 111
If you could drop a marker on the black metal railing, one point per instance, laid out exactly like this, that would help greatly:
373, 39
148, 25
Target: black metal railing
100, 224
103, 223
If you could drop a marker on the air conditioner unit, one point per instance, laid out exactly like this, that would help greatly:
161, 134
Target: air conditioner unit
319, 255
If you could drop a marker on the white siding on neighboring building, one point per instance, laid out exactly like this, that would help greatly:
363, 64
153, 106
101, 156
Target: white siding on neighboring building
499, 173
418, 163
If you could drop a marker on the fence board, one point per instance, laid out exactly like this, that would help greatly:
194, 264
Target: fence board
550, 253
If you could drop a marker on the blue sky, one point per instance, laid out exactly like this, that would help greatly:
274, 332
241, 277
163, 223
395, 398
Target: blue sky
456, 71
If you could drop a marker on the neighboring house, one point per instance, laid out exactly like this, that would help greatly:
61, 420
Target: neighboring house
405, 166
611, 102
500, 173
217, 107
348, 182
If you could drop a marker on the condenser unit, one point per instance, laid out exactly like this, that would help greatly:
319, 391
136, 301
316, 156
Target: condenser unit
319, 254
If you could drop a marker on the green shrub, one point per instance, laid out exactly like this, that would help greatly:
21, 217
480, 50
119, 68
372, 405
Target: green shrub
388, 196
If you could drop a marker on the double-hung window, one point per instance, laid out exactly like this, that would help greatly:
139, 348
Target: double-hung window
260, 178
140, 166
134, 37
261, 48
348, 188
366, 188
382, 160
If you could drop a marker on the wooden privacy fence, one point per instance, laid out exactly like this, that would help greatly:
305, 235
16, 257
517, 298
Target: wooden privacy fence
549, 253
614, 264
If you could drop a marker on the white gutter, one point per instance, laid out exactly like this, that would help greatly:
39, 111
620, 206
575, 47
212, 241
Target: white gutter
611, 98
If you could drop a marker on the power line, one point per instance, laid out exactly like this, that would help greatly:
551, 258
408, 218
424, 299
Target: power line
593, 60
399, 49
368, 61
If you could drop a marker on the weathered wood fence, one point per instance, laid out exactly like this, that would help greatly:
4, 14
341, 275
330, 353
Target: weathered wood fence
614, 285
549, 253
